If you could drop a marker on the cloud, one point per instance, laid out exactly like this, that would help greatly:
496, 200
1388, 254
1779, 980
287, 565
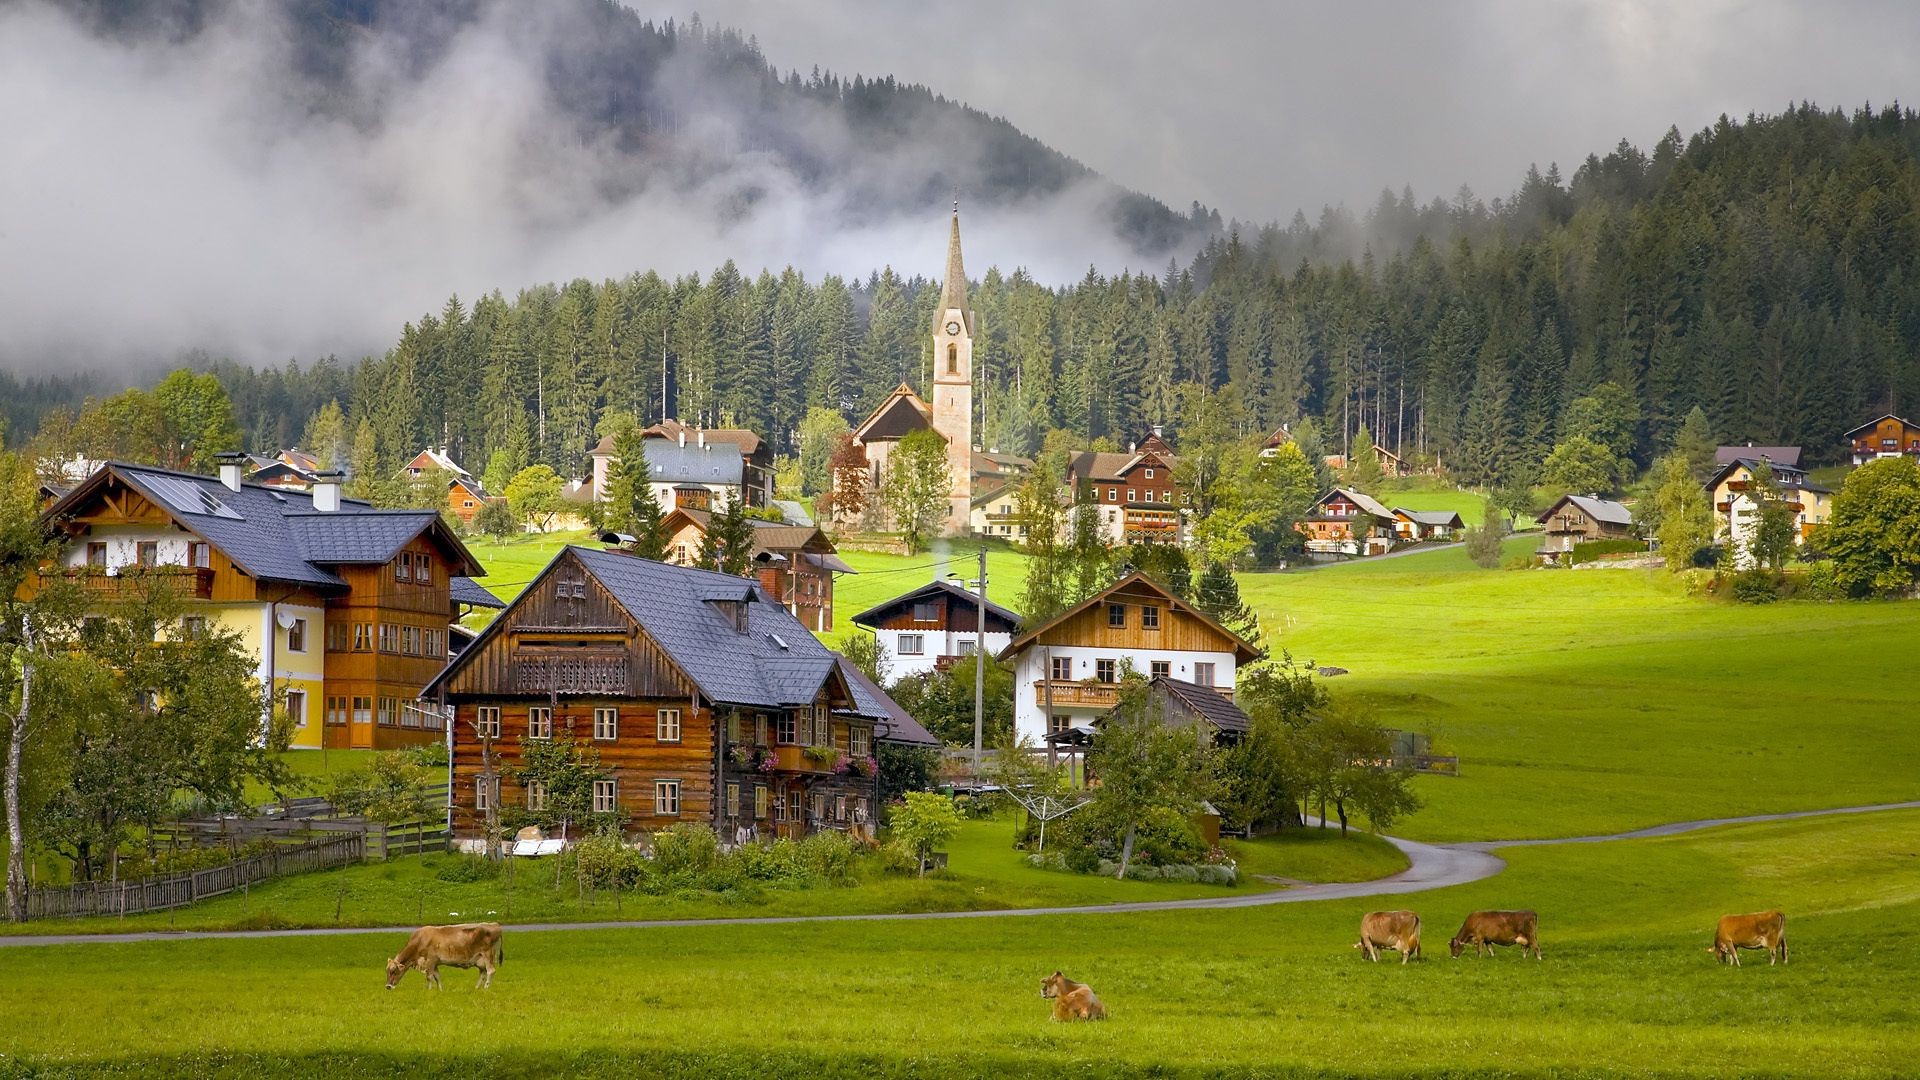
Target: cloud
172, 196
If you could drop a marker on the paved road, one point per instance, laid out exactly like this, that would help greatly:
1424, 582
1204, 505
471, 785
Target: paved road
1432, 866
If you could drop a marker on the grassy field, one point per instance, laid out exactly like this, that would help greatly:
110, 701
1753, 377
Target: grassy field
985, 873
1426, 493
1626, 989
1597, 701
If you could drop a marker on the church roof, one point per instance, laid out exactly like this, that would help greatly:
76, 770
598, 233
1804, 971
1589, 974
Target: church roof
953, 290
903, 413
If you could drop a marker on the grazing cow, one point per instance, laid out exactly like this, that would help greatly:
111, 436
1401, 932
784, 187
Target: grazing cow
1485, 929
467, 945
1389, 930
1760, 930
1071, 1000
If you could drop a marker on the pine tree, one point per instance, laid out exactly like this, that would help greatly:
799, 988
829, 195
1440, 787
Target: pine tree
727, 545
1694, 442
1218, 594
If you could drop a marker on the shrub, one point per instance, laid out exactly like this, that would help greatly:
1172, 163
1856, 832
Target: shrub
605, 862
1083, 860
685, 848
1589, 550
1142, 872
1166, 837
1180, 873
828, 856
466, 868
1220, 874
1758, 586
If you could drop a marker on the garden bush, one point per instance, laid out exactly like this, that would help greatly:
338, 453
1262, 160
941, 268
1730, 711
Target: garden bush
1590, 550
685, 847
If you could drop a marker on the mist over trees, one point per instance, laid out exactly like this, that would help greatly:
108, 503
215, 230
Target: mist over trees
1763, 273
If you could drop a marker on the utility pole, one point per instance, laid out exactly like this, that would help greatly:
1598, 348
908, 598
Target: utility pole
979, 660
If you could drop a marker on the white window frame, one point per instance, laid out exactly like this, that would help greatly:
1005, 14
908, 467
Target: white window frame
536, 795
859, 741
606, 723
1209, 672
297, 630
482, 791
298, 712
606, 796
486, 718
666, 798
667, 726
540, 722
912, 645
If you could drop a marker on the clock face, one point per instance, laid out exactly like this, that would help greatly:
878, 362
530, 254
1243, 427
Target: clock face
953, 328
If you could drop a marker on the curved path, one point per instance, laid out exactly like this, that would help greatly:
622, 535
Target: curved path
1431, 866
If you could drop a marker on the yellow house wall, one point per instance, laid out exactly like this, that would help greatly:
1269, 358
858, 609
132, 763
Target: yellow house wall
289, 670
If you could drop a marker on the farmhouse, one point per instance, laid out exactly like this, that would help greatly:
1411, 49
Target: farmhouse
1426, 524
930, 627
294, 469
1135, 499
706, 701
1886, 436
670, 470
348, 607
1345, 521
1576, 519
1068, 669
1737, 499
433, 460
794, 563
465, 497
1784, 455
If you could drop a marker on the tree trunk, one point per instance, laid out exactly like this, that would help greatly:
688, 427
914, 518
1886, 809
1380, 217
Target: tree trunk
1126, 854
1340, 807
16, 748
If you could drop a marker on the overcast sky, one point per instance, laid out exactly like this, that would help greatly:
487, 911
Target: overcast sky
1259, 107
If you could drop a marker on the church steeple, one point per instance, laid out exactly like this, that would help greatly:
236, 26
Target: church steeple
953, 291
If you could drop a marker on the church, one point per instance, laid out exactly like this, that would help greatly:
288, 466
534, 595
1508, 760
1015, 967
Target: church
950, 415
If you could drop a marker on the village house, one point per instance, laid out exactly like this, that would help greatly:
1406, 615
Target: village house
1134, 498
1737, 501
1788, 456
465, 497
669, 469
1348, 522
706, 701
1576, 519
1067, 670
796, 564
432, 460
1886, 436
293, 469
928, 628
1426, 524
348, 607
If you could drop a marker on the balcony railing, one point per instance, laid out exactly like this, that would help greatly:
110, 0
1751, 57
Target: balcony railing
795, 759
1066, 692
127, 582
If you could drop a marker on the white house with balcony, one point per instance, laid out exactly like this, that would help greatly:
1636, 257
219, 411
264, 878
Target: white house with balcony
930, 627
1067, 671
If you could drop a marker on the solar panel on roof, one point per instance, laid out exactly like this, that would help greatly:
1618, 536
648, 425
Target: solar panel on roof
187, 497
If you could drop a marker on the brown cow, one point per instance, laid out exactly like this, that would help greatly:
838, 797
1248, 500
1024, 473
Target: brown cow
1485, 929
1071, 1000
1389, 930
1760, 930
464, 946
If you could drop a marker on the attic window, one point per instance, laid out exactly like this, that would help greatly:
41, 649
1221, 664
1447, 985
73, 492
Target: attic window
570, 589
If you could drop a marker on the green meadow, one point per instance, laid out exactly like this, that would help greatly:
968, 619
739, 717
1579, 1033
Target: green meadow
1627, 987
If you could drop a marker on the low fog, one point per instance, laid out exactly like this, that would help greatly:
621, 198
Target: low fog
163, 198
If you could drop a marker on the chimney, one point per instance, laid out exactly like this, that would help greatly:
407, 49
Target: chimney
702, 436
232, 464
326, 492
683, 437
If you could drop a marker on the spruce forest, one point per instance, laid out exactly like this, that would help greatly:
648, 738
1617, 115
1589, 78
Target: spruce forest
1766, 271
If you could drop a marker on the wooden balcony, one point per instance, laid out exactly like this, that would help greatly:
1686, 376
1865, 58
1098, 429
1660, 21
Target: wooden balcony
129, 582
1079, 694
601, 673
795, 759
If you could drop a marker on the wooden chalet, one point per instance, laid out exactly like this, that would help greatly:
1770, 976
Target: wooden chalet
1134, 494
348, 607
1348, 522
1885, 436
706, 700
465, 497
1576, 519
1426, 524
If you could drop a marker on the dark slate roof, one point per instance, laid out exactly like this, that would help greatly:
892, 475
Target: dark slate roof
714, 463
1430, 517
1779, 455
1602, 510
334, 538
465, 590
880, 611
1206, 702
895, 725
1786, 476
1358, 498
265, 530
671, 603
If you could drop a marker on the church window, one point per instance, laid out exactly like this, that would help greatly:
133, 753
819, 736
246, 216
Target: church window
953, 359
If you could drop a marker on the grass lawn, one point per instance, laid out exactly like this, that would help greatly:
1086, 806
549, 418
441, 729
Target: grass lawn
984, 873
1626, 989
1603, 700
1426, 493
883, 577
513, 562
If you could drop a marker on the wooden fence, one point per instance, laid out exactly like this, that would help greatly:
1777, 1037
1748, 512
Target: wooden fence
177, 890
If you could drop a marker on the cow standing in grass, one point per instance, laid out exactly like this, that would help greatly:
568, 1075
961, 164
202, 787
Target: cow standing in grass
1485, 929
1389, 930
1760, 930
468, 945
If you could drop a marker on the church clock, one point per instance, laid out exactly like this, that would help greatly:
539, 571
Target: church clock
953, 328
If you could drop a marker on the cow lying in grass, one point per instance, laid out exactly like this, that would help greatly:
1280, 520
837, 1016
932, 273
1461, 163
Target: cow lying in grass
468, 945
1760, 930
1389, 930
1071, 1000
1485, 929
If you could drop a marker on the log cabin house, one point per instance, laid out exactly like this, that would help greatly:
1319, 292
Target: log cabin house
348, 607
1135, 499
1886, 436
706, 700
1576, 519
1348, 522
